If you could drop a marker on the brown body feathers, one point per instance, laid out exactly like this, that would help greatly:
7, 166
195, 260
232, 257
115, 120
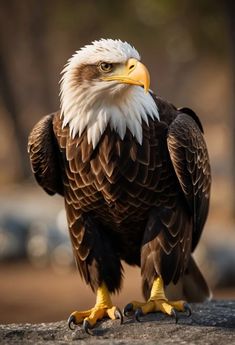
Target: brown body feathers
144, 204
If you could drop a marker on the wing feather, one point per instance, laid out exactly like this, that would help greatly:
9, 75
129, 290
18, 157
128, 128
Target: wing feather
45, 156
189, 156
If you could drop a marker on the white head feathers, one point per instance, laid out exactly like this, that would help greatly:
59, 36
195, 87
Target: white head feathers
94, 104
103, 50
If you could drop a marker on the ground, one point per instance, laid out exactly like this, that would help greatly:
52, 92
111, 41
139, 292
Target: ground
211, 323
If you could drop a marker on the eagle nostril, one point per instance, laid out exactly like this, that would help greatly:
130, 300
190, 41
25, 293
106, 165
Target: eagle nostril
131, 67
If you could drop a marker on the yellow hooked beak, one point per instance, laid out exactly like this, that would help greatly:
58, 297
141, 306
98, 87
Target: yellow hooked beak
133, 72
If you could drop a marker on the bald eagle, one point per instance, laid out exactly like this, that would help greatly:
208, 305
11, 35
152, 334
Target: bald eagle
135, 176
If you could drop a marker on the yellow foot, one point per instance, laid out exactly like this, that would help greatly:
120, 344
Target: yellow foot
91, 316
157, 303
102, 309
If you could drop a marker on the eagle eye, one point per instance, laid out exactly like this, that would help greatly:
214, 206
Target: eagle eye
105, 67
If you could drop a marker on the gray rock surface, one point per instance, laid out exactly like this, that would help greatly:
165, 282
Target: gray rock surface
210, 323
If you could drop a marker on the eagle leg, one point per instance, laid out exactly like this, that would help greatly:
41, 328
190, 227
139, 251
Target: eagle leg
157, 302
103, 308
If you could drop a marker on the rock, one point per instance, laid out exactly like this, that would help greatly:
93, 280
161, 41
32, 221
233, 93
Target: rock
211, 323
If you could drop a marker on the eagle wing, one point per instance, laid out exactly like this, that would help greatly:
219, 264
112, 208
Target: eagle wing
44, 156
93, 252
189, 156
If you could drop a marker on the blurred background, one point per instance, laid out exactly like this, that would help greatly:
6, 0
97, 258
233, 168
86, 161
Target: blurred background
189, 48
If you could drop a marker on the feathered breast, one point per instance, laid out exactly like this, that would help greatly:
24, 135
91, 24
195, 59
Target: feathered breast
119, 179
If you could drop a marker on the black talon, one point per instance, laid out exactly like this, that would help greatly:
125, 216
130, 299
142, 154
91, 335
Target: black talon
118, 315
128, 309
187, 309
138, 313
175, 315
72, 322
87, 327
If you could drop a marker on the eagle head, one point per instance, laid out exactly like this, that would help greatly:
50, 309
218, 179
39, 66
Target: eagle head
105, 83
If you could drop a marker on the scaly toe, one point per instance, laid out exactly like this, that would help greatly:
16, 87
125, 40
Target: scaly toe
87, 327
77, 317
72, 322
118, 315
130, 308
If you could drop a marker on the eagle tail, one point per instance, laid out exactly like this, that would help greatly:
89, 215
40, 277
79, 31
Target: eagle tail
191, 287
